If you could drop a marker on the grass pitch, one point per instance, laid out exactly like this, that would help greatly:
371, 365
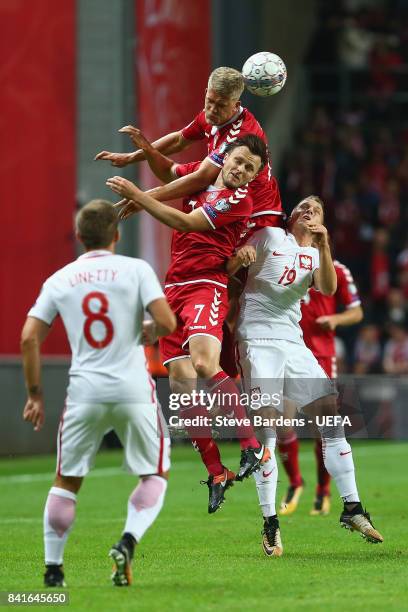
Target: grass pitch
192, 561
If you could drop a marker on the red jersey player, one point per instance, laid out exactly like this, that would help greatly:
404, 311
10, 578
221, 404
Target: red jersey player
221, 122
207, 232
319, 322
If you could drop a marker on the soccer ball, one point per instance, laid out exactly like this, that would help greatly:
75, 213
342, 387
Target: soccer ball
264, 73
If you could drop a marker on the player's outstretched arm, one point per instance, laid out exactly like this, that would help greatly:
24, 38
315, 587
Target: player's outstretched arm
174, 142
186, 185
126, 208
33, 334
164, 319
198, 180
119, 160
163, 167
176, 219
168, 144
243, 258
325, 278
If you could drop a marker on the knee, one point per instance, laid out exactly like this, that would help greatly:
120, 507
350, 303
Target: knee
60, 512
326, 406
164, 475
330, 434
202, 368
177, 385
205, 366
148, 492
285, 433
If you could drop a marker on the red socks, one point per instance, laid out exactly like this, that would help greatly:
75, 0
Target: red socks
323, 476
289, 454
222, 383
201, 437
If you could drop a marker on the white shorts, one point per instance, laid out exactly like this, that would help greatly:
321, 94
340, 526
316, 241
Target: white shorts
281, 368
141, 429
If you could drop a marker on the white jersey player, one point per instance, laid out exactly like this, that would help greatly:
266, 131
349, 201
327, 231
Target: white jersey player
101, 298
275, 361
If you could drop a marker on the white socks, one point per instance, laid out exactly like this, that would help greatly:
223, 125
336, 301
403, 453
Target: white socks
59, 515
338, 460
266, 480
144, 505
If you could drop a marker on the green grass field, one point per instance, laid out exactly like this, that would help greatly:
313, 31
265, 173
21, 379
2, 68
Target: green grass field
192, 561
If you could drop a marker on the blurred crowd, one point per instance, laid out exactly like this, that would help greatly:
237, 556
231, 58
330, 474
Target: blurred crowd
352, 150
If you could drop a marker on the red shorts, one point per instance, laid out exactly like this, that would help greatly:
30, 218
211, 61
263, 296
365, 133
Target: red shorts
200, 309
329, 365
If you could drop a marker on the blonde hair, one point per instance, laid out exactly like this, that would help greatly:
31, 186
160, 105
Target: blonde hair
226, 82
311, 197
96, 224
316, 198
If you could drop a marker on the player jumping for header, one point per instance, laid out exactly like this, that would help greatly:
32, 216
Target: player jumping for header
221, 122
206, 234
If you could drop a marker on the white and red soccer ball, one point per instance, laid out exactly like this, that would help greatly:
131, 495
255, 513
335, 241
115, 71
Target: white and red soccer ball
264, 73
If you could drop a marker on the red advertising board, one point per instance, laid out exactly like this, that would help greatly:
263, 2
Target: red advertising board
37, 172
172, 67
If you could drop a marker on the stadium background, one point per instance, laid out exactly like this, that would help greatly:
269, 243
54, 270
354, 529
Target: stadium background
74, 72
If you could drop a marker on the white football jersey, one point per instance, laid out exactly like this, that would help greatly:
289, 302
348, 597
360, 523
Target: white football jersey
101, 298
277, 281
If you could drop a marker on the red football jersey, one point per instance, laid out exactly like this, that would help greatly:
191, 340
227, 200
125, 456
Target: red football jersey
264, 188
315, 304
201, 256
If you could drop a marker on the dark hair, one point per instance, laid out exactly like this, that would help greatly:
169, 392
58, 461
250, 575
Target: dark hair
96, 224
255, 144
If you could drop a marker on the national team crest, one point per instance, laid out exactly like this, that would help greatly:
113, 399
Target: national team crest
305, 262
222, 206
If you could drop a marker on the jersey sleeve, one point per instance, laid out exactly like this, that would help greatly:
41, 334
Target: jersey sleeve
216, 157
224, 211
195, 130
184, 169
347, 293
149, 285
45, 307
